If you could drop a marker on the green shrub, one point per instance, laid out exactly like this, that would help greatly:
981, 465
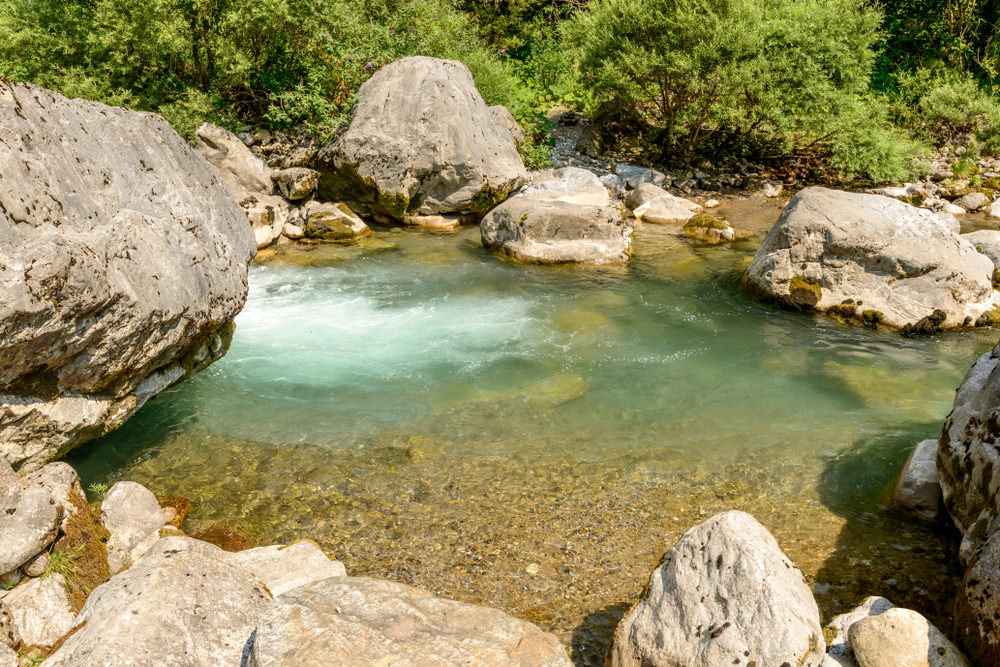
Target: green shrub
698, 68
867, 144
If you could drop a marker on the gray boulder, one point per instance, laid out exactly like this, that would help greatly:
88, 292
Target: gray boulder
357, 621
987, 241
972, 202
28, 527
123, 261
421, 143
242, 171
553, 232
506, 119
902, 638
130, 512
571, 185
185, 603
41, 610
650, 203
917, 489
62, 483
968, 459
297, 183
977, 605
635, 176
893, 263
725, 594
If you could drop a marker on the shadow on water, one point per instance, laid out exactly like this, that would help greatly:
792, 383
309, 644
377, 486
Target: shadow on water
880, 551
590, 638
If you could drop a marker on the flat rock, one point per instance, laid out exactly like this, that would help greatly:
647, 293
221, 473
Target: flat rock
838, 644
552, 232
422, 142
358, 621
902, 638
30, 528
123, 260
130, 512
917, 489
724, 593
572, 185
297, 183
242, 171
41, 609
897, 263
283, 568
185, 603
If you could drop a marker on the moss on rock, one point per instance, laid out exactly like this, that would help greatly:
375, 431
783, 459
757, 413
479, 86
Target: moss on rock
804, 293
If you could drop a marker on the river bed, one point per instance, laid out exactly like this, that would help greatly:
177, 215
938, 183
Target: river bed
534, 438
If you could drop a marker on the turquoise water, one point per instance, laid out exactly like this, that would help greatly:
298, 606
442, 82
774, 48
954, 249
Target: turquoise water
428, 412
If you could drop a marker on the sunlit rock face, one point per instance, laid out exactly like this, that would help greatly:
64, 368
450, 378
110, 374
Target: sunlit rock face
123, 261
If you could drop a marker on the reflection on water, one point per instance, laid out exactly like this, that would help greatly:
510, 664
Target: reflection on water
534, 437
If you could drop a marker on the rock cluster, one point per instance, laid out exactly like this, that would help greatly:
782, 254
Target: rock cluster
123, 261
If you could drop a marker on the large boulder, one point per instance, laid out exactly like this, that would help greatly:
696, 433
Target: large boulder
357, 621
968, 460
977, 605
725, 594
987, 241
28, 527
891, 263
123, 260
185, 603
555, 232
422, 142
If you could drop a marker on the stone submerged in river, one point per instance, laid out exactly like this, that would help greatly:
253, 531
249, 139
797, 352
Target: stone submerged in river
358, 621
898, 265
422, 142
709, 228
917, 489
554, 232
725, 594
138, 259
902, 638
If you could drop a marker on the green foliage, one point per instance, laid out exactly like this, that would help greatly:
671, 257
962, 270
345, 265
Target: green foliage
698, 68
99, 489
867, 144
65, 563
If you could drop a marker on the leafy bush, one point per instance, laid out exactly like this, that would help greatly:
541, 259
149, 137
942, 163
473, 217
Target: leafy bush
698, 68
867, 144
287, 62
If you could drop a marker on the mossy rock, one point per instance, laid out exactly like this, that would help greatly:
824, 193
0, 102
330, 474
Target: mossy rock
846, 310
705, 221
872, 318
804, 293
991, 318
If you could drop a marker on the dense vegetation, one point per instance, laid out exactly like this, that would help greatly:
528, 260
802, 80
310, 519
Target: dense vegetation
867, 87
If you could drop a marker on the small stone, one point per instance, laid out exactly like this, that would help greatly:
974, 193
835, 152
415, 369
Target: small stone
902, 638
837, 629
36, 566
297, 183
917, 489
532, 568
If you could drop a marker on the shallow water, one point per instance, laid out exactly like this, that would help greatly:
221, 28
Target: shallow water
534, 438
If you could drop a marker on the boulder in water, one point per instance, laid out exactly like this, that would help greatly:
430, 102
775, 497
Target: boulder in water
895, 264
123, 260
